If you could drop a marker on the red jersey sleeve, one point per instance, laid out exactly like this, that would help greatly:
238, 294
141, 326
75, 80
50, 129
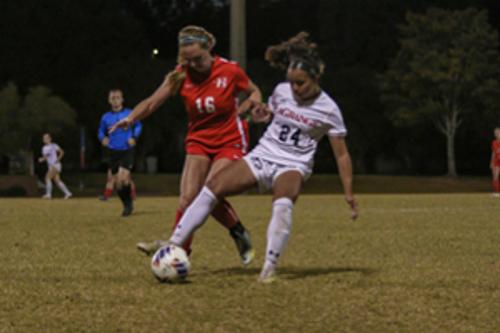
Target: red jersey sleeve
241, 80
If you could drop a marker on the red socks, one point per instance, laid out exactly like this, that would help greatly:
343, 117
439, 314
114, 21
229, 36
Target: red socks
224, 214
108, 192
496, 186
133, 193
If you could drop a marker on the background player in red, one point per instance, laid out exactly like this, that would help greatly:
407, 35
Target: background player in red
209, 86
495, 162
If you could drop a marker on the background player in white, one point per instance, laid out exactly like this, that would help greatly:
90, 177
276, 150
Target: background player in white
53, 154
283, 159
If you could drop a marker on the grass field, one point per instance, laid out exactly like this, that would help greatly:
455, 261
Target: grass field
411, 263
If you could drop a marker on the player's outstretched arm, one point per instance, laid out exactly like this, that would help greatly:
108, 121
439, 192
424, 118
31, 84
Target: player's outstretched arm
344, 164
146, 106
254, 99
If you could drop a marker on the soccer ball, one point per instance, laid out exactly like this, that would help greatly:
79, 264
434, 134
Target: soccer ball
170, 264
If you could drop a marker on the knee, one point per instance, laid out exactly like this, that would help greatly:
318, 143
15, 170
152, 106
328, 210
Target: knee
185, 199
215, 185
292, 196
122, 179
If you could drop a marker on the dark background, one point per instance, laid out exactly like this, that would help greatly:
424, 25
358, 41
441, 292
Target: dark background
82, 48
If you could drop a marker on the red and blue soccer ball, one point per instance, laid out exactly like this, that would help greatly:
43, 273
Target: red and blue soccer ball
170, 264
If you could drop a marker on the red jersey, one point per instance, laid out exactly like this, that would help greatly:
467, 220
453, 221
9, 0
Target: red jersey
212, 106
495, 148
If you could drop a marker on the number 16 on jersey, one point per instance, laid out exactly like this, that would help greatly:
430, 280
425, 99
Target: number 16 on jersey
205, 105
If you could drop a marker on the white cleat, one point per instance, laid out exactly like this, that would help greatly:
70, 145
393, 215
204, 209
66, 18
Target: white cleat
67, 196
267, 275
47, 196
495, 195
149, 248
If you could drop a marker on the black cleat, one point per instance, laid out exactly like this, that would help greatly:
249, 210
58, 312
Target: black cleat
243, 244
128, 209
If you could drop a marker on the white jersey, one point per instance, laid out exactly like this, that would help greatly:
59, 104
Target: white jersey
294, 133
50, 153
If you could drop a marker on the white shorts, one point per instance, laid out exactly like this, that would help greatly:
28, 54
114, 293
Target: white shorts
266, 171
57, 166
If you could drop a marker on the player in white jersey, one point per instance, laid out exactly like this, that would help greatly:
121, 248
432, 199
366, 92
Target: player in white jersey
52, 154
302, 114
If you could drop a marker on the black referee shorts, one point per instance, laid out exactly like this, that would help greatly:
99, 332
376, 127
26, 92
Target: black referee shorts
120, 159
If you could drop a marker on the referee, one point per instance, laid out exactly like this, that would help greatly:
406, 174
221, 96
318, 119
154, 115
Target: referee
120, 145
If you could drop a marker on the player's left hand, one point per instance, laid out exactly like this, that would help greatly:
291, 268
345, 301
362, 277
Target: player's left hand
132, 142
353, 205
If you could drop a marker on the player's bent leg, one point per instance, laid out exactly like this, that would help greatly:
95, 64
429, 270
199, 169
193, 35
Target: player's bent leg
194, 217
60, 184
231, 180
194, 174
202, 206
48, 183
225, 214
108, 189
285, 192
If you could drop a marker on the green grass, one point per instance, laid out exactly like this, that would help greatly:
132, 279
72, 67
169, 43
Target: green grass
411, 263
168, 184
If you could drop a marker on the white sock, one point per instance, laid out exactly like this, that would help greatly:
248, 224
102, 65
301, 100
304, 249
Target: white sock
63, 188
277, 232
48, 188
193, 218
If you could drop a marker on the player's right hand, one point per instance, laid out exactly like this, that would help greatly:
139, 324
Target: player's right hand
260, 113
123, 123
105, 141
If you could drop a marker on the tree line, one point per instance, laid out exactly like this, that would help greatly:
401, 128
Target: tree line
417, 80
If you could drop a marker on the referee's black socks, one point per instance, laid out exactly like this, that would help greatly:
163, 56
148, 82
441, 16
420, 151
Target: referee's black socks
125, 194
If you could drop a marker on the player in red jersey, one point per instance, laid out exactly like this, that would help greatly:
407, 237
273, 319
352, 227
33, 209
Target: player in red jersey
495, 162
209, 86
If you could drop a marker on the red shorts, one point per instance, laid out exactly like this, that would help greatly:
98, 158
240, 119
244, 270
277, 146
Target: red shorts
496, 164
231, 152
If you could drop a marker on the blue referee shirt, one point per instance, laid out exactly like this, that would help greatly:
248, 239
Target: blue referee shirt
118, 140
